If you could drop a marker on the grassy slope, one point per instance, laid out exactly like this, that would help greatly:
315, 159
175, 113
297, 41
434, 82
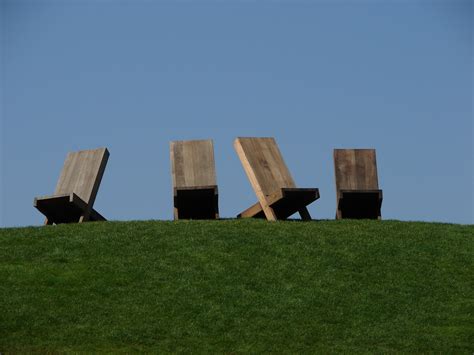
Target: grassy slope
237, 286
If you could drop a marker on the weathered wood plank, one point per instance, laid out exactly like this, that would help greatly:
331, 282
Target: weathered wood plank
192, 163
82, 173
254, 211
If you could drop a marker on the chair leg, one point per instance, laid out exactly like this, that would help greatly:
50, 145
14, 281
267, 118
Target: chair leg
269, 213
85, 216
304, 213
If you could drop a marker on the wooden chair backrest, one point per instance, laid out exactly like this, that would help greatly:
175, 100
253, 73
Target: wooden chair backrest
263, 164
192, 163
82, 173
356, 169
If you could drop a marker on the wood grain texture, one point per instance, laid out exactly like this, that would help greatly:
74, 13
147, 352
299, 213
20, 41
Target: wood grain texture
194, 179
269, 177
192, 163
76, 188
358, 194
262, 160
82, 173
356, 169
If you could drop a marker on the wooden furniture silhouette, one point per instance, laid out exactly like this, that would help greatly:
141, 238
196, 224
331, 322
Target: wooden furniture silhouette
195, 192
76, 189
278, 196
358, 193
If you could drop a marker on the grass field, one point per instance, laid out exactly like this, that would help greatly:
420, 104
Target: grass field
238, 286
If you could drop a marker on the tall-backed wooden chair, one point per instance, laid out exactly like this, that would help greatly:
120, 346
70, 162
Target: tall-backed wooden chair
193, 170
357, 186
278, 196
76, 189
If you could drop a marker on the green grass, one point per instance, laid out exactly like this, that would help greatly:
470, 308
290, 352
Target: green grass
238, 286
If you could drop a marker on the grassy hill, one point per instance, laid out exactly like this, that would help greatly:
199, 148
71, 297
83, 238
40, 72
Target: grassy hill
238, 286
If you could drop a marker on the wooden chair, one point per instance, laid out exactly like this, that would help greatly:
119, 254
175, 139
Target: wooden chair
358, 194
278, 196
195, 192
76, 189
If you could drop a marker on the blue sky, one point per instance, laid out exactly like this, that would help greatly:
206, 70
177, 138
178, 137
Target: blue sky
317, 75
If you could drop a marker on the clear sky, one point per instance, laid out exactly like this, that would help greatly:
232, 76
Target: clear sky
317, 75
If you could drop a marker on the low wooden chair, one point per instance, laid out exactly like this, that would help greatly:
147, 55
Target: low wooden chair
358, 193
76, 189
278, 196
193, 170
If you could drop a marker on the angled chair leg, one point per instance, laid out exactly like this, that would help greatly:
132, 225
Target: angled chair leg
85, 216
304, 213
269, 213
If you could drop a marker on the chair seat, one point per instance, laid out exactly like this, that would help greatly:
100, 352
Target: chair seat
65, 208
284, 202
